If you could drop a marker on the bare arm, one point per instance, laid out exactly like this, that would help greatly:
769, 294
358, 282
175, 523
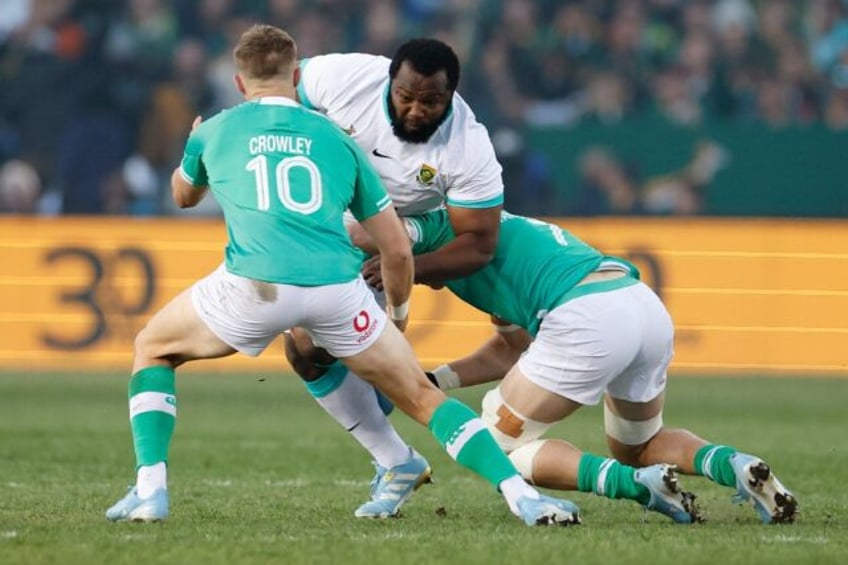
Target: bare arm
494, 358
396, 259
185, 194
476, 232
361, 239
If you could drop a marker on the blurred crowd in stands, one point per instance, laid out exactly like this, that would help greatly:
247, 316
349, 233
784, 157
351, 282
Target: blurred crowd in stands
97, 96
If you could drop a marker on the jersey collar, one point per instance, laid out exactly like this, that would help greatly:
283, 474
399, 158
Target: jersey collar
276, 101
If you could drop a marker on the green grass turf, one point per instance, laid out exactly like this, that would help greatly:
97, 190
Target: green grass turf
259, 474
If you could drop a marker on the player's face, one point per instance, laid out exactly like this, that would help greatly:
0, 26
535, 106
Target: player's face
418, 103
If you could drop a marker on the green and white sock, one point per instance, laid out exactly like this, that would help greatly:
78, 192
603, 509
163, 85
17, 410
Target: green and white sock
467, 440
713, 462
609, 478
153, 414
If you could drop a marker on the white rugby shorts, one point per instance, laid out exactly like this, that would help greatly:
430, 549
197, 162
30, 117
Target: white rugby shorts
247, 315
619, 341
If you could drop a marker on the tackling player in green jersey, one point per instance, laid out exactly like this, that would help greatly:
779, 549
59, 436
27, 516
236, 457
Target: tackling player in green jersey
574, 327
284, 176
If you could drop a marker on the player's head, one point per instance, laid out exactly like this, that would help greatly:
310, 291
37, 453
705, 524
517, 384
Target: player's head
266, 60
424, 74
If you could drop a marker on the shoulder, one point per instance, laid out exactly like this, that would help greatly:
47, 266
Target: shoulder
336, 81
319, 123
210, 127
464, 124
334, 64
467, 139
213, 123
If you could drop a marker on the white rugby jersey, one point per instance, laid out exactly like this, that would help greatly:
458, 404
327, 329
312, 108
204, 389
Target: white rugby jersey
457, 166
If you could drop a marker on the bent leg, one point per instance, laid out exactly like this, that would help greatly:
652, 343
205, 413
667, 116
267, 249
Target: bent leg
519, 411
636, 435
174, 335
750, 475
390, 364
349, 400
309, 361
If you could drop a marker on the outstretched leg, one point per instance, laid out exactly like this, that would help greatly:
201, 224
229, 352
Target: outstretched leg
355, 405
636, 436
390, 364
519, 412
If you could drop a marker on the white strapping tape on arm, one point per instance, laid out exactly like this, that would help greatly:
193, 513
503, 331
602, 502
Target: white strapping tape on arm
400, 312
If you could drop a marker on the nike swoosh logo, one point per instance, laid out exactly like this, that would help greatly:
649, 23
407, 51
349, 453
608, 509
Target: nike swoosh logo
353, 427
376, 153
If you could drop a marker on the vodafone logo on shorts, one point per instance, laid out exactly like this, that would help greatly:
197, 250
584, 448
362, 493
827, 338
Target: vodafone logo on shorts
360, 323
364, 326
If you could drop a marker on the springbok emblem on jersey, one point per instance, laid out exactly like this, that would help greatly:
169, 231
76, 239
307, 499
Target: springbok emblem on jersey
426, 174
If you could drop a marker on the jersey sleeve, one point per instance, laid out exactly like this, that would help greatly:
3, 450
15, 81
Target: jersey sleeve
429, 231
327, 79
477, 182
369, 196
192, 168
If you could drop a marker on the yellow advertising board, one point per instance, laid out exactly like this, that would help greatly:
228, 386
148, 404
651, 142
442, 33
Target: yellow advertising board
754, 296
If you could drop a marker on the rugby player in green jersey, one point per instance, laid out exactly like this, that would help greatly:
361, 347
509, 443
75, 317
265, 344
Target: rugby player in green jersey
283, 176
575, 327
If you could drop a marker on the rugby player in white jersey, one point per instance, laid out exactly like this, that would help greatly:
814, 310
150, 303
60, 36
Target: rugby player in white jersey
430, 153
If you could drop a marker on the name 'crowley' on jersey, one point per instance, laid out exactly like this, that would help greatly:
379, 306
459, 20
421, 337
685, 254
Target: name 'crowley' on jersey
457, 166
279, 143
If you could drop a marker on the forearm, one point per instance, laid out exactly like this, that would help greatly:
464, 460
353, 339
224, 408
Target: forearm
459, 258
185, 195
362, 239
490, 362
397, 272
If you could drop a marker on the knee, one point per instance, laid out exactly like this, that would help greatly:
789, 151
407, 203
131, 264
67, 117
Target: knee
524, 457
149, 349
308, 361
142, 348
510, 429
628, 439
627, 454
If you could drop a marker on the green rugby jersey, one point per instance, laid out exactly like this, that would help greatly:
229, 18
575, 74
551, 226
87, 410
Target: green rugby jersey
535, 266
283, 175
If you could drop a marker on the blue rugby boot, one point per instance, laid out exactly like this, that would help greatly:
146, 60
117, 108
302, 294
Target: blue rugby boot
755, 483
391, 488
131, 508
547, 511
666, 496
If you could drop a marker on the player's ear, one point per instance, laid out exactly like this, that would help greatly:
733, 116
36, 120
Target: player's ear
240, 85
296, 76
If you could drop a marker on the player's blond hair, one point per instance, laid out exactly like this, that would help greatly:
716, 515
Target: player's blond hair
264, 52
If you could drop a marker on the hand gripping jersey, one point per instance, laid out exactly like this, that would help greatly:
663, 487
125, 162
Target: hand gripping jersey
535, 268
283, 176
456, 166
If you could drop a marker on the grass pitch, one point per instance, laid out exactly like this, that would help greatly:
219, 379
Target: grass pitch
259, 474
